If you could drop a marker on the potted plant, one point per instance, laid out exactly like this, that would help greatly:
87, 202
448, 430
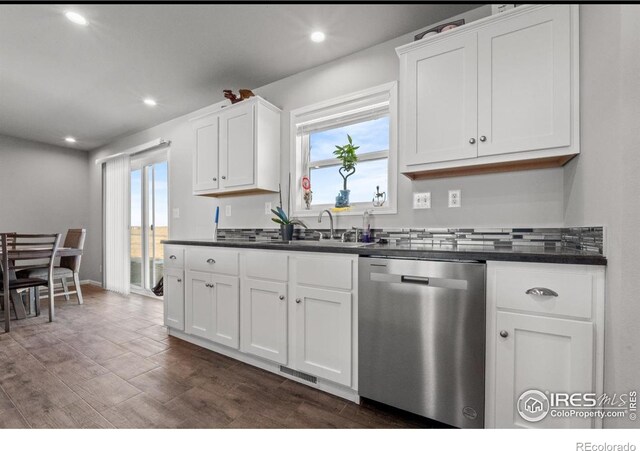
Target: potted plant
286, 223
347, 156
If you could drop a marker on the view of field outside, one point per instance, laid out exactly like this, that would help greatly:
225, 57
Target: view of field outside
158, 197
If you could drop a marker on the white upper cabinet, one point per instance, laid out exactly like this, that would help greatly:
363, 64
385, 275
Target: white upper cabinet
237, 150
524, 83
205, 158
236, 142
443, 75
497, 94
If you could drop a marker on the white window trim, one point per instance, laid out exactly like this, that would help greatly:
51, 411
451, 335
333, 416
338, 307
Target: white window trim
296, 163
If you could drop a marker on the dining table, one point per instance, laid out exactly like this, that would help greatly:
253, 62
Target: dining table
27, 253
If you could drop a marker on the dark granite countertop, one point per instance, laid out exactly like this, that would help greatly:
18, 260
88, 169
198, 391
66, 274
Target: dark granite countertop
532, 254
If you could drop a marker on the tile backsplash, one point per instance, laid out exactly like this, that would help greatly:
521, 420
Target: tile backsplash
574, 238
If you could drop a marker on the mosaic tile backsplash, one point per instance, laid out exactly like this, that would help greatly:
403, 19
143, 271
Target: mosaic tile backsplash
575, 238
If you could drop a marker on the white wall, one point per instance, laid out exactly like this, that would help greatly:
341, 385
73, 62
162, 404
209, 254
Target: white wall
44, 188
602, 186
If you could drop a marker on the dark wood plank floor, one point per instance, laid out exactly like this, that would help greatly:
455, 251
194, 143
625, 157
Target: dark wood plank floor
110, 364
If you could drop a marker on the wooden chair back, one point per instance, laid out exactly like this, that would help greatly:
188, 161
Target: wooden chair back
75, 239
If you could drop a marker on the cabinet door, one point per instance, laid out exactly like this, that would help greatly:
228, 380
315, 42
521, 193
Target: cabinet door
541, 353
174, 298
225, 320
323, 333
205, 159
237, 147
199, 304
524, 82
440, 102
264, 319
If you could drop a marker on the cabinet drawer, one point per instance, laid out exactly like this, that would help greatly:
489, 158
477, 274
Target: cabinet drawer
325, 271
173, 256
213, 260
574, 288
267, 265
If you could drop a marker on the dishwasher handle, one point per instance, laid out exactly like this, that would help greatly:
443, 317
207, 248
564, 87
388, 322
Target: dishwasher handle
415, 279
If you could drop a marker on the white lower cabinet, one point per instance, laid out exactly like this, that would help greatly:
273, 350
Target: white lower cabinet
549, 353
263, 319
291, 309
323, 324
544, 332
212, 307
174, 298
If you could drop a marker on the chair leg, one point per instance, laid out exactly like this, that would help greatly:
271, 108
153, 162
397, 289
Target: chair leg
50, 292
65, 287
7, 312
36, 295
76, 283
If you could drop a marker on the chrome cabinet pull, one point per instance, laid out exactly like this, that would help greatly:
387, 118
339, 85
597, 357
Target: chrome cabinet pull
483, 138
215, 179
224, 177
281, 297
298, 301
472, 141
172, 257
211, 261
539, 291
504, 333
179, 280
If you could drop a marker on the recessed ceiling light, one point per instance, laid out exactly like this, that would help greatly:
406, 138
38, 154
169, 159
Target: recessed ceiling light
76, 18
70, 139
150, 102
317, 36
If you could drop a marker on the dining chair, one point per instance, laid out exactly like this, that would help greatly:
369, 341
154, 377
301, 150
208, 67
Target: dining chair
69, 267
22, 248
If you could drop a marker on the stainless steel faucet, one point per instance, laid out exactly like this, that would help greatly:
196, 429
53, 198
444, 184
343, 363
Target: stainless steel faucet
330, 222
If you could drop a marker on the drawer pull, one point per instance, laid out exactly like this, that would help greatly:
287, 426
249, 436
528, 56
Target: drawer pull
504, 333
538, 291
298, 301
172, 257
281, 297
179, 280
210, 260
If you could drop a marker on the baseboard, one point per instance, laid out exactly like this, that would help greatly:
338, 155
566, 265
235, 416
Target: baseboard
91, 282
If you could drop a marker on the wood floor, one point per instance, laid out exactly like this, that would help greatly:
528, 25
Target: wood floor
110, 364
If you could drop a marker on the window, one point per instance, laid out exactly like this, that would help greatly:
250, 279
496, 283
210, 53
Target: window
369, 118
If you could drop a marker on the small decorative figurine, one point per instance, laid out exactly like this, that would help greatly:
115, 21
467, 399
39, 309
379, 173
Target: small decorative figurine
379, 198
307, 195
244, 94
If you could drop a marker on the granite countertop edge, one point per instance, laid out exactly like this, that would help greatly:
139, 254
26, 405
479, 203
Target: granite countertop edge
532, 255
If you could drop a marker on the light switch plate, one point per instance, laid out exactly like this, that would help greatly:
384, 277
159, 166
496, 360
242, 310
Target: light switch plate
176, 213
455, 198
421, 200
227, 210
267, 208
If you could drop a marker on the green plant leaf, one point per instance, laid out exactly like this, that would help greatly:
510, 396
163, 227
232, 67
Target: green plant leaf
279, 221
280, 216
298, 222
283, 215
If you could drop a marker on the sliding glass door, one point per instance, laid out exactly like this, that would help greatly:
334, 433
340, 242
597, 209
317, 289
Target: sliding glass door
149, 220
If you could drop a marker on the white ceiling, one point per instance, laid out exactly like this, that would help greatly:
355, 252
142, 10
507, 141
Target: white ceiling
59, 79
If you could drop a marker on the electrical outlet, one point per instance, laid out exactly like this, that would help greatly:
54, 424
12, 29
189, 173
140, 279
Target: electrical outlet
421, 200
227, 210
267, 208
455, 198
176, 213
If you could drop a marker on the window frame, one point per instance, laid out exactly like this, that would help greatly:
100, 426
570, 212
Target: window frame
300, 147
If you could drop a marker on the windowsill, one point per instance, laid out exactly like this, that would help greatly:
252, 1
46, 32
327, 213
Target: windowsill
355, 211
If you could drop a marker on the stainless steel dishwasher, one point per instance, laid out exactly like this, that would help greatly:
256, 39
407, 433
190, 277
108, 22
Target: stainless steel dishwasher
421, 337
